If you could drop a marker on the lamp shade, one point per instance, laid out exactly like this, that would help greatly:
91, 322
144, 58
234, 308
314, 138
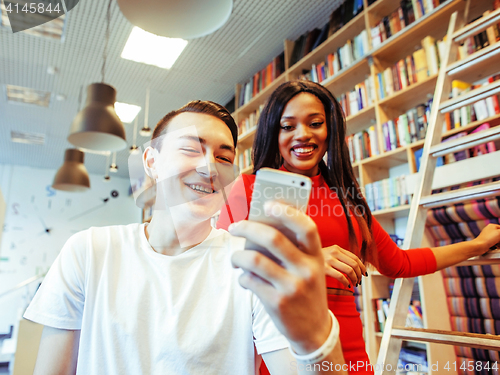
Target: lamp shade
97, 126
72, 176
185, 19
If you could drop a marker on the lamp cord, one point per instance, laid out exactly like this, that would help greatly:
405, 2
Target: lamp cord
80, 99
105, 52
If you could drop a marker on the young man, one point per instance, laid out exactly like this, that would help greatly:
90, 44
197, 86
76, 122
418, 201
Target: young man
162, 298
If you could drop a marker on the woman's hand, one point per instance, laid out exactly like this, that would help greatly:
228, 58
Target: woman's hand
450, 255
339, 261
488, 239
294, 293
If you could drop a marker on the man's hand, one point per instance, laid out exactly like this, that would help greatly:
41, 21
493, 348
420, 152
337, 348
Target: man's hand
339, 261
293, 294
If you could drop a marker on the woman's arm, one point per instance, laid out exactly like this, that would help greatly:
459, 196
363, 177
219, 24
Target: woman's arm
450, 255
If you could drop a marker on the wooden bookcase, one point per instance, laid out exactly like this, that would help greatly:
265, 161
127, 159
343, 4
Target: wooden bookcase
376, 60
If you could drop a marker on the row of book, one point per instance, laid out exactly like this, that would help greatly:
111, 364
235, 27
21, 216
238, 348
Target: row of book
483, 209
406, 129
482, 40
415, 68
474, 304
262, 79
245, 158
404, 15
409, 127
480, 110
361, 97
250, 123
338, 60
363, 144
387, 193
414, 318
312, 39
481, 149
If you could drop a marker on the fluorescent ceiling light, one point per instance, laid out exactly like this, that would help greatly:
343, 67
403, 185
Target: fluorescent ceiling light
126, 112
29, 138
26, 95
152, 49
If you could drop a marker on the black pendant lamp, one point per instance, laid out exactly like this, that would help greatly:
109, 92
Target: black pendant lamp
97, 126
72, 176
146, 130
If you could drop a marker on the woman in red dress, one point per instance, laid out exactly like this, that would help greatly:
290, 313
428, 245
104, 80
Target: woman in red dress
300, 123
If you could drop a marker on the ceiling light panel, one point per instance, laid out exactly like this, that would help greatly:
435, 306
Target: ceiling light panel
126, 112
28, 138
147, 48
26, 95
53, 28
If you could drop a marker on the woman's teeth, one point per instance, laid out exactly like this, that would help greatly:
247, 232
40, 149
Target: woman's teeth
201, 188
303, 150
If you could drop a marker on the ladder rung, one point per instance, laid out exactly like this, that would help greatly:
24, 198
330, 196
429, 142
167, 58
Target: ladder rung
466, 142
473, 340
476, 61
460, 195
470, 97
476, 27
491, 257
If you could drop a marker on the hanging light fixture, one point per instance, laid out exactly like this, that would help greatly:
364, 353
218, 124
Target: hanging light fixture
134, 149
113, 167
106, 170
72, 176
185, 19
146, 130
97, 126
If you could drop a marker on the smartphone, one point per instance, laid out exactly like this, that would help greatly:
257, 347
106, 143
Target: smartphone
275, 185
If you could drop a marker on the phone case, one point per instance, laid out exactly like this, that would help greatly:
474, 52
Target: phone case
271, 184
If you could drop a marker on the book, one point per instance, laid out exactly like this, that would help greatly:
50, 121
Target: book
431, 54
420, 61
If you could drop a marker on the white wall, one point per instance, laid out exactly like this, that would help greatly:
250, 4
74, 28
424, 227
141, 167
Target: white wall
26, 249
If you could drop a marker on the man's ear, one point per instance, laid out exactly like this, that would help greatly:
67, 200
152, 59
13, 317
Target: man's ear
149, 158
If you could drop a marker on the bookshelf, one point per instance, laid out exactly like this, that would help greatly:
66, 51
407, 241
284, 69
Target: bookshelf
377, 59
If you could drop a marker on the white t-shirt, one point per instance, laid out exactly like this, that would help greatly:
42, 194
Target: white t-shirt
141, 312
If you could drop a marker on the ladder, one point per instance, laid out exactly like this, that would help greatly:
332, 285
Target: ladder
484, 60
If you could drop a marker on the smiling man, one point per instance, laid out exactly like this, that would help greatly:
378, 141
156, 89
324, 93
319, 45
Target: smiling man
162, 298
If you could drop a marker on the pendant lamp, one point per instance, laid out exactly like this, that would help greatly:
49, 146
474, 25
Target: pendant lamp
97, 126
106, 170
72, 176
146, 130
134, 149
113, 167
185, 19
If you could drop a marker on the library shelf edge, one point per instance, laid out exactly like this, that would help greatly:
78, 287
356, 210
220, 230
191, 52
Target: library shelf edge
411, 96
392, 213
357, 122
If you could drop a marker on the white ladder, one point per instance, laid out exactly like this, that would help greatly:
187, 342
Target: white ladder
485, 60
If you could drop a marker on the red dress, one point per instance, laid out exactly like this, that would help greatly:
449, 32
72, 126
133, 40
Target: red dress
326, 211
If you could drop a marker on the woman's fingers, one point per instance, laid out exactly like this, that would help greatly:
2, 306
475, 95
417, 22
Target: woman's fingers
339, 276
345, 262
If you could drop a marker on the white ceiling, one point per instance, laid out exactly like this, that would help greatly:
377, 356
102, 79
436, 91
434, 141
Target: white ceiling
209, 68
